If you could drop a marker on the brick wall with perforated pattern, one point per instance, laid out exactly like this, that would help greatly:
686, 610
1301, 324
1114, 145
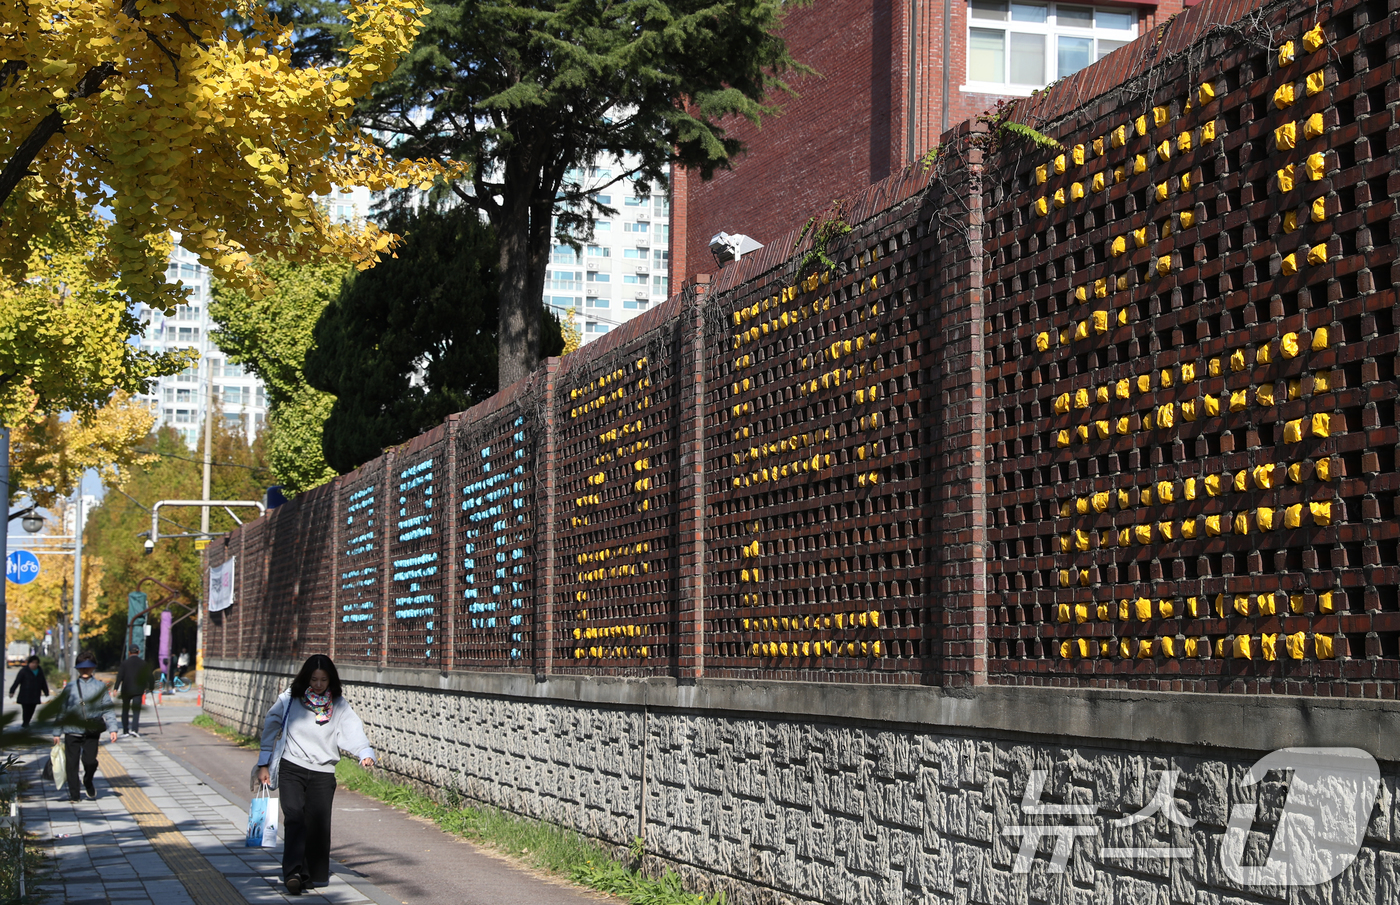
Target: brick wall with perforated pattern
1119, 412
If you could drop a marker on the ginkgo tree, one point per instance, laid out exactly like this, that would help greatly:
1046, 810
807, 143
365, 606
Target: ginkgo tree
163, 116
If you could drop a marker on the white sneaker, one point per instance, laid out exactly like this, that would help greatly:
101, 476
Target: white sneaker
134, 734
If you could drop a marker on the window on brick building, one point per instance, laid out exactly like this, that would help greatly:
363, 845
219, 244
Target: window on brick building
1024, 46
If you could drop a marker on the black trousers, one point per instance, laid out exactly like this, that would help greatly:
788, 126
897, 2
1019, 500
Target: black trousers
306, 822
27, 712
131, 707
76, 746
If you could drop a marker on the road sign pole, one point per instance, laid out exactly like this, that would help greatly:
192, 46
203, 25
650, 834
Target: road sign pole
4, 544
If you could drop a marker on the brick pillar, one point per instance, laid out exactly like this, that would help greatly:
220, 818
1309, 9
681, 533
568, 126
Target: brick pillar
386, 517
336, 518
690, 494
680, 189
953, 329
546, 571
449, 547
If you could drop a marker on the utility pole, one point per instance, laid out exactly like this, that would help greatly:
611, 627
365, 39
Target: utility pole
77, 573
204, 521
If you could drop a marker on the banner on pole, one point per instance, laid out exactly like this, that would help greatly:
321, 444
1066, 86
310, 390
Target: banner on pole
221, 586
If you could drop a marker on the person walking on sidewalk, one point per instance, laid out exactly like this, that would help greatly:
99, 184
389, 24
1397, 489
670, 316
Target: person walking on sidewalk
87, 710
303, 735
29, 686
133, 681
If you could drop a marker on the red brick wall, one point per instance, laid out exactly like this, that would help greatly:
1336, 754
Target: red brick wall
834, 140
845, 130
980, 443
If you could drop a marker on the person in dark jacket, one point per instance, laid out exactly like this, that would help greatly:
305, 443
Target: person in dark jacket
133, 680
87, 710
31, 685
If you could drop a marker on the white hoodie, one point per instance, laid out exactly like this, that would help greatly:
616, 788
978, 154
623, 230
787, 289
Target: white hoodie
312, 745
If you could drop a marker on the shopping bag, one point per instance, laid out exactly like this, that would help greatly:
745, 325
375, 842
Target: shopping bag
58, 765
262, 822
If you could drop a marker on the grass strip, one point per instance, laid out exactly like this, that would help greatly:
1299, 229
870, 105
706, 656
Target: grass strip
541, 845
204, 721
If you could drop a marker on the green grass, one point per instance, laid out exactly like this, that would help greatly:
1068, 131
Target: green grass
243, 741
541, 845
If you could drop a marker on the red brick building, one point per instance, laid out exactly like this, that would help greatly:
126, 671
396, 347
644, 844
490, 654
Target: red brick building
892, 77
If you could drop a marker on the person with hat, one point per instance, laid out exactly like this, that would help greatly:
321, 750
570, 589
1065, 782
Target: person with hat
29, 686
87, 710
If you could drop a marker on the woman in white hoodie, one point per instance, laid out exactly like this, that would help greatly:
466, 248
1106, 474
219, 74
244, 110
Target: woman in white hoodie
303, 735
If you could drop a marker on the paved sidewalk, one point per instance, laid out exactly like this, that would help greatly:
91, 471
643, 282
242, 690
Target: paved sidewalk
158, 835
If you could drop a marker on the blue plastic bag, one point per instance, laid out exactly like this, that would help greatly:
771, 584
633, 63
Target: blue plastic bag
262, 822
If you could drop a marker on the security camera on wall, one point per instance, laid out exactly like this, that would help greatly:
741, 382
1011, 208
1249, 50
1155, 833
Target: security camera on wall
728, 248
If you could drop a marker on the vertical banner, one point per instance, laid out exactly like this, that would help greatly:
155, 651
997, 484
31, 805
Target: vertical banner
221, 586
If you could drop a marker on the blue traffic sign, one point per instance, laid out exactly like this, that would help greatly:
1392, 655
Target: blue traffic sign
21, 567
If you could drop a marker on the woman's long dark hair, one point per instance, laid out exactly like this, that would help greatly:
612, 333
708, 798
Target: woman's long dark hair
313, 663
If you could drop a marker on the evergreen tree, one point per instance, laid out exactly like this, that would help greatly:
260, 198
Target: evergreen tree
411, 341
528, 91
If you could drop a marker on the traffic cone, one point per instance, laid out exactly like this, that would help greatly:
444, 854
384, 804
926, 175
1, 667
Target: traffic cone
160, 697
199, 699
143, 699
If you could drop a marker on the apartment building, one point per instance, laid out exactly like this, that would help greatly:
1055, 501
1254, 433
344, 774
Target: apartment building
624, 268
180, 400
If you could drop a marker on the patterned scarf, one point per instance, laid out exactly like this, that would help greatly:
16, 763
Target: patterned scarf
319, 704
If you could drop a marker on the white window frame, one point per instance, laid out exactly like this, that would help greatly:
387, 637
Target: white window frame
1050, 29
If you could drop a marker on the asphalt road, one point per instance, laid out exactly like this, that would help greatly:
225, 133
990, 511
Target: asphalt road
405, 857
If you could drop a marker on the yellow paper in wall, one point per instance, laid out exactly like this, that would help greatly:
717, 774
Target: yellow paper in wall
1101, 428
1042, 341
1081, 613
1065, 650
1119, 137
1283, 97
1077, 154
1285, 53
1293, 431
1241, 480
1322, 645
1239, 400
1183, 141
1268, 645
1188, 410
1315, 82
1212, 526
1081, 398
1264, 395
1208, 132
1083, 432
1314, 126
1098, 147
1161, 191
1325, 603
1041, 207
1139, 164
1076, 192
1192, 647
1062, 439
1242, 523
1144, 383
1294, 645
1289, 265
1101, 321
1317, 165
1319, 210
1321, 512
1313, 39
1097, 183
1212, 482
1293, 516
1188, 219
1166, 609
1164, 265
1241, 605
1041, 174
1322, 382
1141, 124
1188, 529
1059, 197
1060, 164
1322, 425
1285, 179
1322, 470
1144, 651
1122, 425
1286, 137
1290, 221
1264, 518
1243, 648
1289, 345
1118, 246
1143, 533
